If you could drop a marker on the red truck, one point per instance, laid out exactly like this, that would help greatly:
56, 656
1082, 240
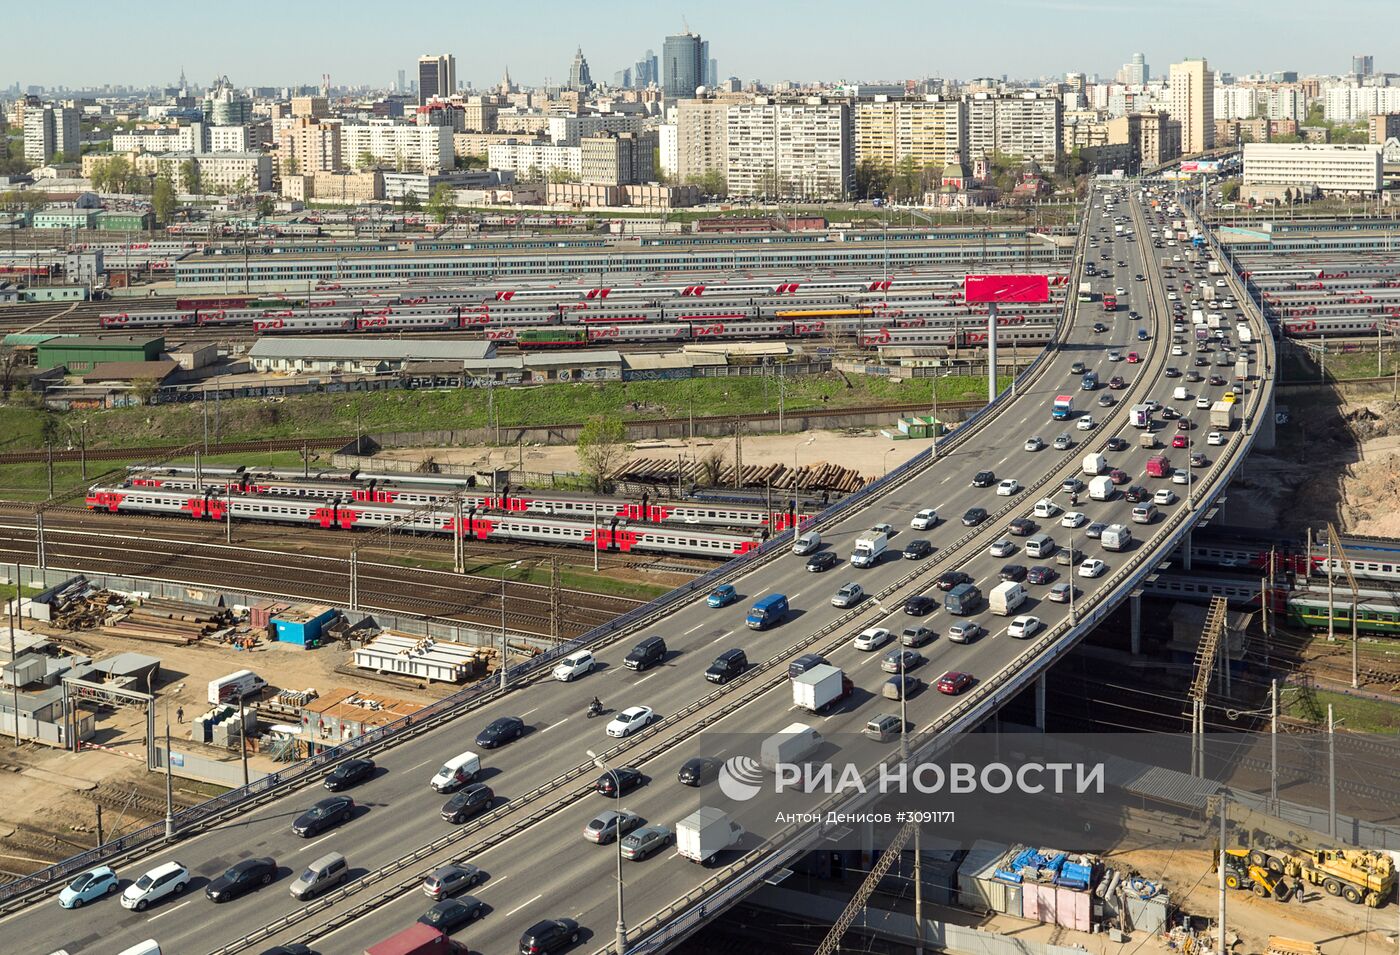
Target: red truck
417, 939
1157, 466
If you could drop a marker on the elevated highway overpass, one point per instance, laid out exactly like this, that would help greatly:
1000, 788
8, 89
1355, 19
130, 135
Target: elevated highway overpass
530, 846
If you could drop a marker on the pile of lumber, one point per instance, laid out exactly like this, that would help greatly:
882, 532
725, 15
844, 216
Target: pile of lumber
780, 477
167, 621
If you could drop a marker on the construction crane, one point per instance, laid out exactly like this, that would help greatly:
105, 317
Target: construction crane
862, 896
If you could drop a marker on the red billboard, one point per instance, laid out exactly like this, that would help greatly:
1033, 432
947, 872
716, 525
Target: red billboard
986, 289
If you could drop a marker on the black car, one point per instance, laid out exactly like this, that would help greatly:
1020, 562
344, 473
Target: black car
1040, 574
451, 914
919, 605
700, 770
551, 935
1117, 444
1021, 526
1217, 381
1170, 414
1202, 361
1100, 327
822, 560
1136, 494
626, 779
326, 814
1013, 572
804, 663
951, 578
1172, 372
648, 653
974, 516
500, 731
984, 479
917, 549
469, 801
241, 877
348, 773
727, 666
288, 950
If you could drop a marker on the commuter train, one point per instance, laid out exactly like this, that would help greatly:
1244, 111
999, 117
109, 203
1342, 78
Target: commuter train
368, 488
611, 535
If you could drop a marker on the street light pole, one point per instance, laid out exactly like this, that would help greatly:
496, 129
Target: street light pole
621, 942
169, 780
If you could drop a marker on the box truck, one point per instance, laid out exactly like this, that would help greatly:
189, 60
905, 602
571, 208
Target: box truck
705, 833
1222, 415
868, 549
1101, 488
417, 939
792, 744
1116, 537
1006, 598
816, 689
1214, 267
1140, 416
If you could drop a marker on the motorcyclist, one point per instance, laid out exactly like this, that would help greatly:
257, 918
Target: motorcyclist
1074, 498
596, 706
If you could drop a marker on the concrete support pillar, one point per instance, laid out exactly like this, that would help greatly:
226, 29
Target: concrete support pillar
991, 352
1040, 702
1186, 551
1135, 631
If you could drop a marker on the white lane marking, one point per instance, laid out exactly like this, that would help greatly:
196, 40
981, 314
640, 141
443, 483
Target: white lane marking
794, 596
421, 765
722, 636
310, 845
528, 712
168, 911
647, 677
552, 725
523, 905
692, 629
760, 593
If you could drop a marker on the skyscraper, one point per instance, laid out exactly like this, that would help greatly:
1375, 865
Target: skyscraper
1363, 64
579, 77
1193, 104
401, 87
437, 76
1134, 73
683, 64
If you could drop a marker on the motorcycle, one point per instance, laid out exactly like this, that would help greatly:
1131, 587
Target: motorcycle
594, 709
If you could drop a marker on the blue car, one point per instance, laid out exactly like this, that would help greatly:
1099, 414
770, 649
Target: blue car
722, 596
89, 885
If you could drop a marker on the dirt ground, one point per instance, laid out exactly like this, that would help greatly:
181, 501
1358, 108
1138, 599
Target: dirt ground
865, 450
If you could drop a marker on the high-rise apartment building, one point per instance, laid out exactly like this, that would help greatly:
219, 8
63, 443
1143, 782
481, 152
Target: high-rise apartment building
702, 137
1151, 138
1029, 125
683, 64
310, 107
1193, 104
309, 146
931, 132
790, 149
1363, 64
50, 131
403, 148
618, 159
1383, 126
437, 76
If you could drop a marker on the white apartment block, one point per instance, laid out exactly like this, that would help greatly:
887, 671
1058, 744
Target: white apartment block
702, 137
404, 148
219, 173
228, 139
1029, 126
668, 142
568, 130
1287, 102
1237, 102
932, 132
1348, 104
1342, 168
533, 161
790, 149
49, 130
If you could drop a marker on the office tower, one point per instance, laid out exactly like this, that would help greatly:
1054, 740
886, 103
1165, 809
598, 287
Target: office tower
683, 65
711, 73
437, 76
400, 87
1363, 64
1193, 104
580, 79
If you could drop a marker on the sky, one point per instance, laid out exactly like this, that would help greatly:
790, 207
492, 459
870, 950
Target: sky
292, 42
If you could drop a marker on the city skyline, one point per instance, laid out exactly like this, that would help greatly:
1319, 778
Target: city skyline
771, 45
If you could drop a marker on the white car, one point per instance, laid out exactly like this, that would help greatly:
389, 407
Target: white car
1164, 497
1219, 283
1023, 626
1045, 508
1009, 487
1152, 404
1085, 423
1120, 290
924, 519
1072, 519
1178, 350
1115, 356
1179, 476
886, 529
1002, 548
167, 879
873, 638
631, 720
574, 665
1093, 567
1171, 296
1034, 443
1215, 438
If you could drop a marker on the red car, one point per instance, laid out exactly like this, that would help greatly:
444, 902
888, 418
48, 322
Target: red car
1179, 441
1133, 358
954, 682
1118, 476
1117, 383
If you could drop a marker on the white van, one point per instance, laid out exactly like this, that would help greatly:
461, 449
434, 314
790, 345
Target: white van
1095, 464
1045, 508
456, 772
1040, 545
806, 543
1006, 598
574, 665
238, 685
149, 947
1179, 393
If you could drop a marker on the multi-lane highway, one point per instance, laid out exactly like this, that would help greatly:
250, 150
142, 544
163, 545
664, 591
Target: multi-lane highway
545, 868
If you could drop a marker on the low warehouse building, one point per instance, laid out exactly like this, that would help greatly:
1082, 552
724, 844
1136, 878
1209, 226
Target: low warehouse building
359, 355
81, 353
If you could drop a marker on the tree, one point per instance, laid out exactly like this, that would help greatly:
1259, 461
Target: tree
711, 182
1230, 190
163, 197
266, 206
872, 179
366, 159
410, 202
906, 178
443, 202
189, 175
560, 174
600, 441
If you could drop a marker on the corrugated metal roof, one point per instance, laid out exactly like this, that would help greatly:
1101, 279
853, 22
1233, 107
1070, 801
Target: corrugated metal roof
371, 349
1169, 786
31, 338
573, 359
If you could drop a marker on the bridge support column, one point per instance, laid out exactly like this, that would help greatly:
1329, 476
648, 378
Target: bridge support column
1040, 702
1186, 551
1135, 630
991, 352
1264, 437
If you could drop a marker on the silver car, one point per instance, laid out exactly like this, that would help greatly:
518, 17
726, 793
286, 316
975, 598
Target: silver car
848, 596
645, 842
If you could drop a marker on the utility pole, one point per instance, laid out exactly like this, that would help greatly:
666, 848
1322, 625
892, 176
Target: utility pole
100, 840
243, 736
48, 456
1220, 865
1331, 605
1331, 774
169, 780
14, 676
555, 604
503, 627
